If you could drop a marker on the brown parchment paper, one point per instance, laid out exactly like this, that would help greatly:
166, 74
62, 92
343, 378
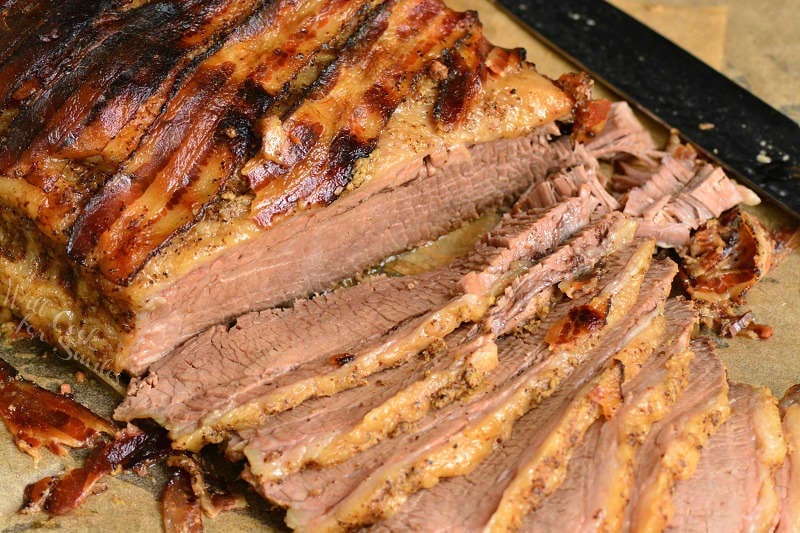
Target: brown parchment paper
742, 40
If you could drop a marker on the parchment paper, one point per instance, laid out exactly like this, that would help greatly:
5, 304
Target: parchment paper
754, 59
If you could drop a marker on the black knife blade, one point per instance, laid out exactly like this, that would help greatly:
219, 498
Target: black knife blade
754, 142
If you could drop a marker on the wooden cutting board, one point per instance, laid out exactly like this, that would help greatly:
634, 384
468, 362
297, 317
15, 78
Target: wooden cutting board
131, 503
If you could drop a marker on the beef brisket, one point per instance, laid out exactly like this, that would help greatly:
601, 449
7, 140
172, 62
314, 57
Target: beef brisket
530, 464
359, 418
399, 213
196, 193
733, 488
672, 174
452, 440
278, 382
597, 486
167, 166
672, 448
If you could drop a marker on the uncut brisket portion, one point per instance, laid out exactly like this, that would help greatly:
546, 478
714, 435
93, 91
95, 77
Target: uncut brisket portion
166, 166
483, 488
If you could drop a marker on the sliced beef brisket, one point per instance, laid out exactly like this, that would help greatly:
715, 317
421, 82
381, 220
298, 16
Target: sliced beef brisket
673, 192
578, 255
452, 441
296, 369
260, 346
673, 446
596, 488
326, 431
733, 488
366, 415
530, 463
648, 398
347, 237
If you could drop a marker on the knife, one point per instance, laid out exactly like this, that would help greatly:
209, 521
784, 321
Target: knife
751, 140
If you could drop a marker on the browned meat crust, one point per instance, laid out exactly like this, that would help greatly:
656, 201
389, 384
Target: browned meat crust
168, 100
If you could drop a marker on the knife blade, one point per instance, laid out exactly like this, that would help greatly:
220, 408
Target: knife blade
754, 142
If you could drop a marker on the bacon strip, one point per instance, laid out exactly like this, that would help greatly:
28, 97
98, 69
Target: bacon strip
129, 219
132, 449
37, 417
340, 121
155, 216
134, 100
14, 15
68, 96
105, 98
32, 60
462, 84
147, 92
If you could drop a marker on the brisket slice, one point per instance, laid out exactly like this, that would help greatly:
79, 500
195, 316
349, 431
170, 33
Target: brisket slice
523, 235
672, 448
365, 415
581, 172
672, 174
597, 486
326, 431
452, 440
224, 361
577, 255
564, 510
788, 480
283, 379
733, 487
541, 441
